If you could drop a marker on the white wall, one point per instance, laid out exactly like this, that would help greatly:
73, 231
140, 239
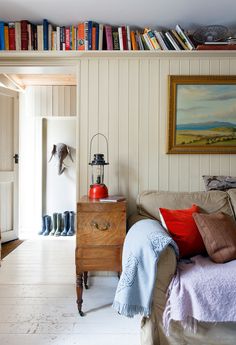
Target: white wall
127, 100
38, 102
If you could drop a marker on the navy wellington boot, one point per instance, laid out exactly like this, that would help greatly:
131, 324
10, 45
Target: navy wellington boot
43, 226
71, 230
47, 225
59, 227
66, 223
54, 224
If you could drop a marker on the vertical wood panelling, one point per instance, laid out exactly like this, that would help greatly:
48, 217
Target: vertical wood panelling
163, 113
144, 125
153, 147
113, 108
123, 143
173, 173
83, 128
133, 133
6, 209
128, 99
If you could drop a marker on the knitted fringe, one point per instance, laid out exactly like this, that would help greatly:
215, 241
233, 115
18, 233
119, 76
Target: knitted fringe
130, 310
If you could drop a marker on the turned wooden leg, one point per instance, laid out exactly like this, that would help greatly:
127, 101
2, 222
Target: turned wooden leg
86, 280
79, 290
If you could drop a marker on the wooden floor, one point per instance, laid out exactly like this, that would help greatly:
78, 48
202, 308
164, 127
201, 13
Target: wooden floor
8, 247
37, 300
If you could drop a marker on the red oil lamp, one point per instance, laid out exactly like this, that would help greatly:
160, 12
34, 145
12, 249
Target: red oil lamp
98, 189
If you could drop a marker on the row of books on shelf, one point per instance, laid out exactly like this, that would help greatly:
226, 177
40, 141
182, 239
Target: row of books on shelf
89, 35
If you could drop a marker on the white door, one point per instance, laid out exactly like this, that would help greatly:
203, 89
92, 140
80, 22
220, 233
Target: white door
9, 143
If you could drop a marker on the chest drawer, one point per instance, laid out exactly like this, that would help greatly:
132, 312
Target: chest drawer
106, 228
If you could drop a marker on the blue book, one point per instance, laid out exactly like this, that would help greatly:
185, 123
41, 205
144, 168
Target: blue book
90, 29
2, 37
96, 25
45, 34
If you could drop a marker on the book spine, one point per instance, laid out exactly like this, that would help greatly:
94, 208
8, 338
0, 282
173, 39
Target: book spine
54, 40
90, 29
81, 36
2, 38
128, 37
184, 37
62, 38
96, 26
85, 35
120, 38
24, 35
160, 40
93, 38
45, 34
124, 37
115, 36
29, 30
49, 36
40, 44
134, 45
18, 35
181, 43
148, 42
153, 40
34, 39
108, 31
6, 37
12, 38
100, 40
67, 42
58, 37
172, 41
140, 41
76, 37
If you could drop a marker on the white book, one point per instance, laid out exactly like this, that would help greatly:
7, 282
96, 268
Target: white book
160, 40
40, 37
185, 39
54, 40
49, 36
58, 38
29, 35
147, 40
128, 37
172, 41
85, 35
113, 198
100, 38
18, 35
120, 38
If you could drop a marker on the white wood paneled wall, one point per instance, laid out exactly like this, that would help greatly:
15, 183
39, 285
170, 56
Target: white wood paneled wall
35, 103
127, 100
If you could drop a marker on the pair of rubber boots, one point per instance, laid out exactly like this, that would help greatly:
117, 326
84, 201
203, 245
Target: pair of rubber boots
65, 228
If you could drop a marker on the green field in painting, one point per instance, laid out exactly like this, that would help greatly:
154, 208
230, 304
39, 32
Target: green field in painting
216, 136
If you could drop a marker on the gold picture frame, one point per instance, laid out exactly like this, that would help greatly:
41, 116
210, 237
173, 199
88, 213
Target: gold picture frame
202, 114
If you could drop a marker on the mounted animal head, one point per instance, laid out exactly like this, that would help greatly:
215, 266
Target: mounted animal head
61, 151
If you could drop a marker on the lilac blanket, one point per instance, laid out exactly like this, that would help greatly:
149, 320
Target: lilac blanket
201, 291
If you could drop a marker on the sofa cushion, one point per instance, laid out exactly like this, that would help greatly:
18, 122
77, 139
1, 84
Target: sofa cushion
184, 231
149, 202
218, 232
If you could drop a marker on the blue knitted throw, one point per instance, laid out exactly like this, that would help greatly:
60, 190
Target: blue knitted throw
142, 248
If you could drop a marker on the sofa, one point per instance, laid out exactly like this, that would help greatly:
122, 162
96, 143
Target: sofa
152, 332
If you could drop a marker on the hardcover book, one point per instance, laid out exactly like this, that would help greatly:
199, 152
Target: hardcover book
45, 34
2, 36
108, 31
12, 38
6, 37
113, 198
81, 45
115, 36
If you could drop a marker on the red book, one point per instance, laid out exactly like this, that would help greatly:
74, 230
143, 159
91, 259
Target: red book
216, 47
108, 31
94, 38
24, 35
81, 45
124, 38
12, 36
67, 30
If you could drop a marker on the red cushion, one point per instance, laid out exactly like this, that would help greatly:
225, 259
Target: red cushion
183, 230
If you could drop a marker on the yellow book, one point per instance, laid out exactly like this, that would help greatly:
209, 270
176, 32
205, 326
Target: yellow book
6, 37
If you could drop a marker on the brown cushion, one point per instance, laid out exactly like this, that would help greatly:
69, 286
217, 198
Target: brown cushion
218, 231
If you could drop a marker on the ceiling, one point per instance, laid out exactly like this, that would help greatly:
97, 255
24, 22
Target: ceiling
153, 13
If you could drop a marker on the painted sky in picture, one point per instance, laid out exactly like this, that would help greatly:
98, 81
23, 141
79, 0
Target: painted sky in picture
204, 103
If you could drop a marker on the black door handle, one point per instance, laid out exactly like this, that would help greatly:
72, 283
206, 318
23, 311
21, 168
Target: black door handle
16, 158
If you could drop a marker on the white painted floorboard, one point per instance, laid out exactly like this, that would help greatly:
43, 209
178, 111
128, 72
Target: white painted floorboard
38, 300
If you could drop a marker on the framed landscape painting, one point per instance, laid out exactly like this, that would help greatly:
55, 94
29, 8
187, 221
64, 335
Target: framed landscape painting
202, 114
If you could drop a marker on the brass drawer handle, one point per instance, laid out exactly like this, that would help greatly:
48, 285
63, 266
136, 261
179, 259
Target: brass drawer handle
102, 227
